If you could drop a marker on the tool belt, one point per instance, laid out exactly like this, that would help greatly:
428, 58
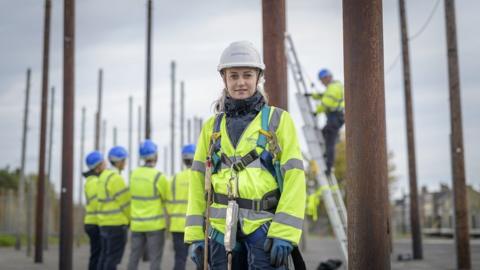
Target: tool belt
268, 203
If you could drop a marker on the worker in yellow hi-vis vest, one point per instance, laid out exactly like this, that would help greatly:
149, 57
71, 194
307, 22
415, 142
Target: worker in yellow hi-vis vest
332, 103
96, 165
148, 187
113, 210
177, 199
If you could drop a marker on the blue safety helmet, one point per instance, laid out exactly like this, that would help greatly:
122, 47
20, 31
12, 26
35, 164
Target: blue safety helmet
188, 151
117, 153
93, 159
147, 149
324, 73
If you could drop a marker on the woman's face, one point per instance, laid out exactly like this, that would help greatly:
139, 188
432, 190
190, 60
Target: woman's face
241, 82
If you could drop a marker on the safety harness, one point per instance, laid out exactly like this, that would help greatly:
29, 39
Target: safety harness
268, 158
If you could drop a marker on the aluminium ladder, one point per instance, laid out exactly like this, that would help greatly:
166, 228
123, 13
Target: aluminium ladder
331, 194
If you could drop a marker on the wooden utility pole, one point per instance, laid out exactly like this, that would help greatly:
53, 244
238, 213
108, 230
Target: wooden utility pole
98, 118
130, 127
80, 178
274, 27
367, 177
66, 197
21, 182
458, 167
43, 129
172, 121
412, 164
149, 71
46, 229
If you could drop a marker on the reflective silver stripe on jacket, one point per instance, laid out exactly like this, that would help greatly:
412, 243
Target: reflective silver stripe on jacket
293, 163
194, 220
198, 166
148, 218
286, 219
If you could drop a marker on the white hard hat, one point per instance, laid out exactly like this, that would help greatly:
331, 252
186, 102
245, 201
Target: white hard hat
240, 54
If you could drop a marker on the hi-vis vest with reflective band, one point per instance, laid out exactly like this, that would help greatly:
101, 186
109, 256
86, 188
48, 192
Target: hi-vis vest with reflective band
253, 182
91, 207
177, 200
332, 99
113, 199
148, 187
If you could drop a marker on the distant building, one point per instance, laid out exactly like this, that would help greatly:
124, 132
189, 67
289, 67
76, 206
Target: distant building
436, 211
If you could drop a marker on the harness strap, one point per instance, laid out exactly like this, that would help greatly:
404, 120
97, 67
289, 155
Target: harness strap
268, 203
242, 163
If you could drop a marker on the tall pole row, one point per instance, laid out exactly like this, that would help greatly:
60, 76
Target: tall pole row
104, 135
149, 71
367, 177
66, 198
457, 151
98, 115
43, 128
21, 182
114, 136
172, 121
189, 131
274, 27
412, 164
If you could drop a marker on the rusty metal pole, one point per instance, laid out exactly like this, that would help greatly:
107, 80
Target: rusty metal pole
98, 118
149, 72
274, 27
66, 198
46, 229
43, 128
139, 133
412, 164
457, 150
80, 178
367, 186
172, 120
130, 127
21, 182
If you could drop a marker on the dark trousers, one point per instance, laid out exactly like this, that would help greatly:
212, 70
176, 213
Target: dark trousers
93, 232
335, 121
114, 239
181, 250
251, 254
153, 241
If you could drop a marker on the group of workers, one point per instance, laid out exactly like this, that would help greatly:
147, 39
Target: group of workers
113, 208
240, 203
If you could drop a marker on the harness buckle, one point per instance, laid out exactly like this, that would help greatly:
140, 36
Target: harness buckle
238, 166
257, 205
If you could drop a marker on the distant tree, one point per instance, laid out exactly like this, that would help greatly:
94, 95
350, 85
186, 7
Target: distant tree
9, 178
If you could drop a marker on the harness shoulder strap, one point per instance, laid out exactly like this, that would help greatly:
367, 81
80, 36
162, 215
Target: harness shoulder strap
262, 139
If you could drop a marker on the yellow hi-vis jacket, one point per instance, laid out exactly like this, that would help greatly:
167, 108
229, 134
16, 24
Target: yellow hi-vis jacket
253, 182
332, 99
148, 187
113, 199
91, 207
177, 200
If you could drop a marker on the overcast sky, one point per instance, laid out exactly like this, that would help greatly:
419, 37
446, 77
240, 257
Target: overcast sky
110, 34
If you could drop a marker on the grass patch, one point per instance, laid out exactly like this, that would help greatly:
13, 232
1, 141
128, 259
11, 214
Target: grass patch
7, 240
